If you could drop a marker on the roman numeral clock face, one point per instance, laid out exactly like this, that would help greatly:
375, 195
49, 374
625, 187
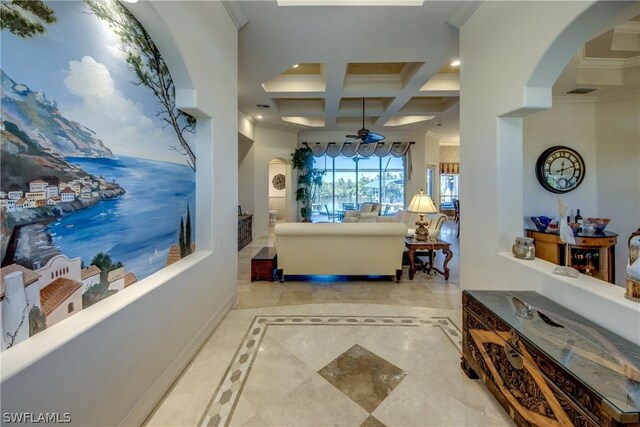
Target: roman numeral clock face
560, 169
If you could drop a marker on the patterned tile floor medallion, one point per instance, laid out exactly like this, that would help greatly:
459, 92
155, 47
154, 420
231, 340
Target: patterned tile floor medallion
360, 374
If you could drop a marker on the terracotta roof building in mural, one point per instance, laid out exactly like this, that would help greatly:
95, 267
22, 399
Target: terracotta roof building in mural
116, 274
28, 276
130, 279
59, 291
89, 272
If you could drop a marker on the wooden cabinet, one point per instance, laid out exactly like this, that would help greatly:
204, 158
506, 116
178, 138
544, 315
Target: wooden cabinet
546, 365
245, 230
591, 255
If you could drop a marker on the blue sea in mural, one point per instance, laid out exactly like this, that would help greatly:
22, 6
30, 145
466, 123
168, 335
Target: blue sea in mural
136, 228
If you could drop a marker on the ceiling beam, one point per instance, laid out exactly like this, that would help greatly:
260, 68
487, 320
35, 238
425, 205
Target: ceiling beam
334, 73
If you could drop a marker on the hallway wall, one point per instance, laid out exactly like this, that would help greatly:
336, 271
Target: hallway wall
111, 363
510, 62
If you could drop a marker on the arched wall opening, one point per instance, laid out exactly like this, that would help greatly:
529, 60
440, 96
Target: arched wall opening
509, 63
280, 196
135, 343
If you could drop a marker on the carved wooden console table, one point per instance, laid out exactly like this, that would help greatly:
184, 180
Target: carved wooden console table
548, 366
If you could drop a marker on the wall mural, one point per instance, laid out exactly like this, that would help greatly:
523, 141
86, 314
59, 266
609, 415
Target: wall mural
97, 185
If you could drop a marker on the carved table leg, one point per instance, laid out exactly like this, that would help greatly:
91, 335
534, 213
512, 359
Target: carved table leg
467, 369
448, 254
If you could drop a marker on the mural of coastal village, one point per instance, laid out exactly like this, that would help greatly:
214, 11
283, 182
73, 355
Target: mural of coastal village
97, 176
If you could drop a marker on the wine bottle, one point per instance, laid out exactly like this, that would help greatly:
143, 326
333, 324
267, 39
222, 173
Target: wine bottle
579, 220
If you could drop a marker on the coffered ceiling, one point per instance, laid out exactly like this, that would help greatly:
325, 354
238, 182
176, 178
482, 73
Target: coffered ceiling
312, 65
606, 65
307, 68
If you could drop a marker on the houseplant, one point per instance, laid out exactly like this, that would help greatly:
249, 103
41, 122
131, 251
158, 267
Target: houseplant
309, 180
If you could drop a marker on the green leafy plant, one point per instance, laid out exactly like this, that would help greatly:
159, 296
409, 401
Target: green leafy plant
309, 180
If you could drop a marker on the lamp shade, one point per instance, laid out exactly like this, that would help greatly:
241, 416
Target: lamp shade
422, 204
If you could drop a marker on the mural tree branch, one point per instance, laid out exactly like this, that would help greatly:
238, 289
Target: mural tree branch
144, 59
25, 18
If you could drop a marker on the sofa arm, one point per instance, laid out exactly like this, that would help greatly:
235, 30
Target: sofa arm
386, 219
368, 214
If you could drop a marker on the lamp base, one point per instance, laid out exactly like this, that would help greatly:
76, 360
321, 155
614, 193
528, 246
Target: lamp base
422, 232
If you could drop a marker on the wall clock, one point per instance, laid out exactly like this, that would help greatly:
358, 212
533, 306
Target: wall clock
278, 181
560, 169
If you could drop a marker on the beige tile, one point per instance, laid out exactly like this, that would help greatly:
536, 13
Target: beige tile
319, 345
315, 402
275, 372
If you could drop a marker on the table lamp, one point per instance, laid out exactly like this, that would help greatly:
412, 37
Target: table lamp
421, 205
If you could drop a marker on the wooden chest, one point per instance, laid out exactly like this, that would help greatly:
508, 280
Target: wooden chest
264, 264
546, 365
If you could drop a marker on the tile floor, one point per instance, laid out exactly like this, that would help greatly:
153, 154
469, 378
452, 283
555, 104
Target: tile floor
353, 353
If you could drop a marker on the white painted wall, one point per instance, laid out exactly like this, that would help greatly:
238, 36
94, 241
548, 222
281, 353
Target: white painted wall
618, 168
271, 144
112, 362
571, 123
512, 52
246, 173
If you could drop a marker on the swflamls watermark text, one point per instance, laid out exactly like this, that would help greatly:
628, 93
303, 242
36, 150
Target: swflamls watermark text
36, 417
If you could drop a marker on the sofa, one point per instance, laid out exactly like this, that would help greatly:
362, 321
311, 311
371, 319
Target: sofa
368, 212
340, 249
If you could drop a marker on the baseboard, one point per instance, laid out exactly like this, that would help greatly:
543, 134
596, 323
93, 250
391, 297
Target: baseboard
141, 410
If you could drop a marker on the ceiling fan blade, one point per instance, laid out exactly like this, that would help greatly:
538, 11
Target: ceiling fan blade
373, 137
352, 136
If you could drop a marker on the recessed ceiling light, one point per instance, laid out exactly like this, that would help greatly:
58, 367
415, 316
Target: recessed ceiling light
259, 117
295, 66
455, 63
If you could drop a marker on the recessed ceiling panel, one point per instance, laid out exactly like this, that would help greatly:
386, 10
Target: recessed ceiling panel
310, 68
352, 107
300, 107
449, 69
376, 67
601, 47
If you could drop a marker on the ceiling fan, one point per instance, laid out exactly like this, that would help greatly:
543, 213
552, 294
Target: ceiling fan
365, 135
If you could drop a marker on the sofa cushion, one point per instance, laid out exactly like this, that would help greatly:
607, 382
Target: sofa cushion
366, 208
399, 216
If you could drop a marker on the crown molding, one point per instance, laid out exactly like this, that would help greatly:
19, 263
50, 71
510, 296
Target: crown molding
236, 13
462, 13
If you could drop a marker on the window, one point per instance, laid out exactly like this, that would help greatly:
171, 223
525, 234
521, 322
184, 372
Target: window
70, 308
448, 190
358, 180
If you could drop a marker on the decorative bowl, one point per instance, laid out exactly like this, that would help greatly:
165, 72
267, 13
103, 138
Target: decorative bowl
541, 222
599, 223
574, 227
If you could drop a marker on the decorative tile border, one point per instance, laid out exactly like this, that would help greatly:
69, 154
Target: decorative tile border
223, 402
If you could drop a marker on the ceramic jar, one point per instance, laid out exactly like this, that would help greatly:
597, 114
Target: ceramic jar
523, 248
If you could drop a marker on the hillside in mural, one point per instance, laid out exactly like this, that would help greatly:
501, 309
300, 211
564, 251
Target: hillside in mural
97, 180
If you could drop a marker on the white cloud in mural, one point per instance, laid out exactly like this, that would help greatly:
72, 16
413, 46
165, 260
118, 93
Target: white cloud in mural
118, 121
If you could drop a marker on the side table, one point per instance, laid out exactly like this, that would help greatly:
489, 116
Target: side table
264, 264
428, 245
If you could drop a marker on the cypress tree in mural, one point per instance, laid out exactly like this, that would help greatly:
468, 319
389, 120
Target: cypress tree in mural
17, 16
145, 60
183, 251
187, 233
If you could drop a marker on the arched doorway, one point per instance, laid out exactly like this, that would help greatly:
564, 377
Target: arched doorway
279, 191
